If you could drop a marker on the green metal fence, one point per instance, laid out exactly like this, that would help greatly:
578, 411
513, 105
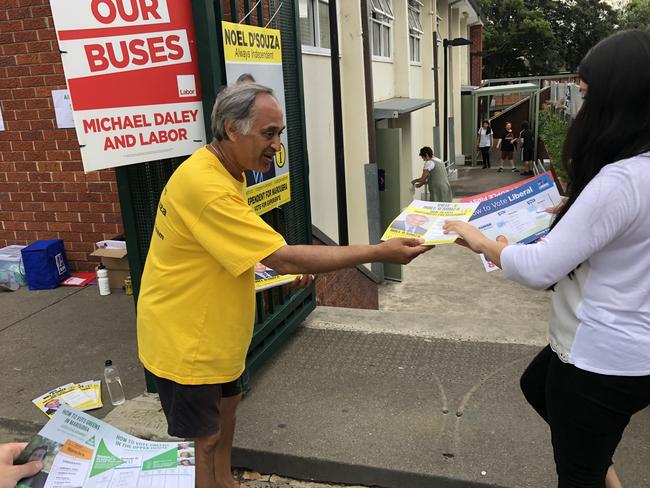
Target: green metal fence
279, 310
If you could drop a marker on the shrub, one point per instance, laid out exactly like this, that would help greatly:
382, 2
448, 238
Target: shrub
552, 131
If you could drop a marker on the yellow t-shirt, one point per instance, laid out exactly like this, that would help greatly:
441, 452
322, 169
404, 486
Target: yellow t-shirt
197, 298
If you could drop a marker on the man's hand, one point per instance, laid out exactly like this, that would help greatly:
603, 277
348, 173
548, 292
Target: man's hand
10, 475
302, 281
401, 250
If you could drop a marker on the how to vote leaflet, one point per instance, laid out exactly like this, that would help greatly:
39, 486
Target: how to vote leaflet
519, 214
424, 220
78, 450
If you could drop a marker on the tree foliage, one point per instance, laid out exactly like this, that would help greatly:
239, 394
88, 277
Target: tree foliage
636, 15
538, 37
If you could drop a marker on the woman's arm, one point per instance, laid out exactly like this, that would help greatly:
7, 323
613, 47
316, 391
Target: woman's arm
599, 215
422, 180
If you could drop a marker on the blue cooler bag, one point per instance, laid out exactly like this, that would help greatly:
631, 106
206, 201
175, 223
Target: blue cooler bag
45, 264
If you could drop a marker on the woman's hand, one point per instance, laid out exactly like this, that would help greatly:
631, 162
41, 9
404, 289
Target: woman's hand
556, 209
469, 236
472, 238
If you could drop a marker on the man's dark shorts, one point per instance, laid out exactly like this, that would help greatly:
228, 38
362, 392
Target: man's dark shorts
192, 411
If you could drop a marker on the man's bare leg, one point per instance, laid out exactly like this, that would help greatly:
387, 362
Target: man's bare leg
612, 481
205, 448
222, 455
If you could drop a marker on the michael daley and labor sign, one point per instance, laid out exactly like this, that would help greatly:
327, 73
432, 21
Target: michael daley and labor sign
131, 68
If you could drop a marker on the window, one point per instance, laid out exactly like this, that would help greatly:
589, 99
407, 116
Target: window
381, 22
315, 23
415, 29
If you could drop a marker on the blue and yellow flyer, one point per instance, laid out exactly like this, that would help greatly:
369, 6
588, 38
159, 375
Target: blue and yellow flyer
424, 220
519, 214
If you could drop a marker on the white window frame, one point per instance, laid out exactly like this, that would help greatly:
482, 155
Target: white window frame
381, 15
315, 48
415, 31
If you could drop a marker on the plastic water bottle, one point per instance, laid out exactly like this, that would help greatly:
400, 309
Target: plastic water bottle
102, 280
113, 383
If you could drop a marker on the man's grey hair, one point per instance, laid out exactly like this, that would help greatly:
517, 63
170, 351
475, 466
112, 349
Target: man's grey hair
236, 104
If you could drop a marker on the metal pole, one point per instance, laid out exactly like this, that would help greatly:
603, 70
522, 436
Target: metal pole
436, 82
445, 101
339, 163
536, 98
475, 122
367, 78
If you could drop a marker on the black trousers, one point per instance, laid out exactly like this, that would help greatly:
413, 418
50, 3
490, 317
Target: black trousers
587, 413
485, 154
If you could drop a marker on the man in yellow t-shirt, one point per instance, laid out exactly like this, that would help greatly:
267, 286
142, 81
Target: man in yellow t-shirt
197, 298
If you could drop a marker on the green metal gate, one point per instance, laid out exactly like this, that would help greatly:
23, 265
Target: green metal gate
279, 310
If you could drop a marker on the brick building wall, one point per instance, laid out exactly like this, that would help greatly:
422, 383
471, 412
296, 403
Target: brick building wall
476, 50
241, 11
44, 193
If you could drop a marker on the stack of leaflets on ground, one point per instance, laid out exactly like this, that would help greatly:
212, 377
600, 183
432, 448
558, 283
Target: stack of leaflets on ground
78, 450
424, 220
266, 277
82, 396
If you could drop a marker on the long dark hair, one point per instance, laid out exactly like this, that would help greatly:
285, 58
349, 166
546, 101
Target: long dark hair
488, 129
614, 120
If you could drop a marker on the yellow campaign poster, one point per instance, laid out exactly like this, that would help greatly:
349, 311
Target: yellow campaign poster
424, 220
254, 55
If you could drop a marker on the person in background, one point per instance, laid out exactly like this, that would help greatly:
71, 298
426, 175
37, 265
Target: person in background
527, 143
506, 144
484, 142
595, 373
435, 174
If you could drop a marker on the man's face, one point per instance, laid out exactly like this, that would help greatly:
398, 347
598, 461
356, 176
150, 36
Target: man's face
53, 404
255, 150
416, 220
260, 268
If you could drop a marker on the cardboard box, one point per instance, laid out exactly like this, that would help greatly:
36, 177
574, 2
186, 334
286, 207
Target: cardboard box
116, 263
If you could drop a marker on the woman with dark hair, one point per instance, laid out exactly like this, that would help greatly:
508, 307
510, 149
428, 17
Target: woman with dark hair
484, 142
435, 174
595, 374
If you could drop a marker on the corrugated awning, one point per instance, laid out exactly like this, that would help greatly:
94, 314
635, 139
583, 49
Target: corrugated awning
394, 107
506, 89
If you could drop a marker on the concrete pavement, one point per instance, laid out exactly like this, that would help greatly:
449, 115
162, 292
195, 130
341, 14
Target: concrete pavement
422, 393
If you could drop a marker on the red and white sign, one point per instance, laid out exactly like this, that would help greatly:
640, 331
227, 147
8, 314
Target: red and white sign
132, 72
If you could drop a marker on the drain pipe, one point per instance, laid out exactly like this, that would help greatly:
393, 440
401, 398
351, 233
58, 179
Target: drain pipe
337, 112
375, 230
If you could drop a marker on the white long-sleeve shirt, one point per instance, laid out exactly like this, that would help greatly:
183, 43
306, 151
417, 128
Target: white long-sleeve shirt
601, 313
